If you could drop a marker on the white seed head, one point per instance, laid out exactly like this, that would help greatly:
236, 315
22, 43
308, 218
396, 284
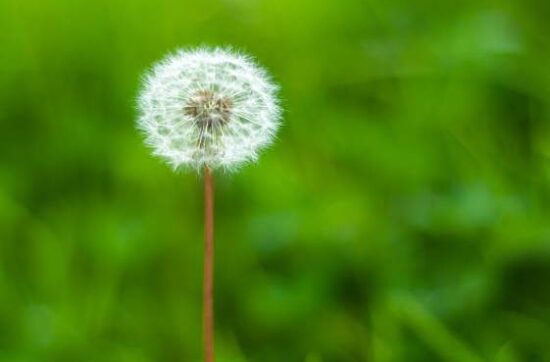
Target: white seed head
208, 107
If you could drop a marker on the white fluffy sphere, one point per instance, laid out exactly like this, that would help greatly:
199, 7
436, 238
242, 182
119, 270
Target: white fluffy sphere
208, 107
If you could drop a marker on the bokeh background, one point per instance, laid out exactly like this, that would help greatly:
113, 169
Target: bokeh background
402, 214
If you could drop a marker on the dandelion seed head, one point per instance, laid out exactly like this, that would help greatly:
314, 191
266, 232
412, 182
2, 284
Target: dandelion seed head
208, 107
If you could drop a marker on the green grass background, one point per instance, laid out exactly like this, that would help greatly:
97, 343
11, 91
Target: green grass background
402, 215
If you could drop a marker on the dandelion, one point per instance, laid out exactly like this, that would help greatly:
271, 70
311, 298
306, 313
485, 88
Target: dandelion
206, 109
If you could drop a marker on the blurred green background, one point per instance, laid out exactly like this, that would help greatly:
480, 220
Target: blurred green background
402, 215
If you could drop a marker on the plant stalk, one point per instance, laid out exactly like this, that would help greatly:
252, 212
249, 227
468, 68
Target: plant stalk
208, 282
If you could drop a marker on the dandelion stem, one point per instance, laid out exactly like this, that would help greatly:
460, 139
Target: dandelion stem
208, 283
